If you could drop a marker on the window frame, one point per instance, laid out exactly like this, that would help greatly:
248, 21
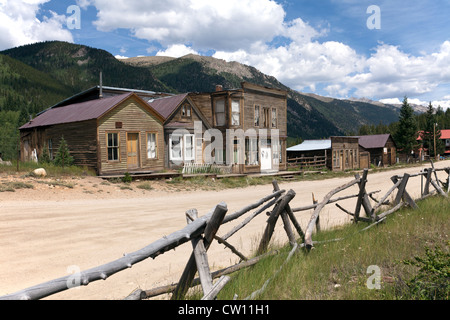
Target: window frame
222, 112
155, 134
257, 115
114, 147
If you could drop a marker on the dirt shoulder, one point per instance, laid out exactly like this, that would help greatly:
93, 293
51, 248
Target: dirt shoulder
56, 227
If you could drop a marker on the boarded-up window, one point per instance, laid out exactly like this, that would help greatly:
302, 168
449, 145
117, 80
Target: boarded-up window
151, 146
113, 147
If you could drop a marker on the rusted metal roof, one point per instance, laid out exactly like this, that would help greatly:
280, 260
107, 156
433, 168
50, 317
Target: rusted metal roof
166, 106
76, 112
374, 141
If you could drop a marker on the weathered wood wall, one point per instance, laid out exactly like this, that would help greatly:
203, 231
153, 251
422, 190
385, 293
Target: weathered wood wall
134, 118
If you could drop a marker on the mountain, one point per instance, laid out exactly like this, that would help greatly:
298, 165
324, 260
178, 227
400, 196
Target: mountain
78, 67
309, 116
37, 76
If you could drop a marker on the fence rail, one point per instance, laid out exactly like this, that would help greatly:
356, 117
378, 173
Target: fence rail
308, 162
202, 231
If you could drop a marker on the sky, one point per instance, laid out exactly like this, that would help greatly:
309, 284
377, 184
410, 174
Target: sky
382, 50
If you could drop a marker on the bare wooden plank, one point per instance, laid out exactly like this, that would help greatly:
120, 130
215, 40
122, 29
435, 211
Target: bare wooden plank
290, 214
212, 294
189, 272
249, 218
362, 191
201, 258
216, 274
312, 222
402, 193
279, 207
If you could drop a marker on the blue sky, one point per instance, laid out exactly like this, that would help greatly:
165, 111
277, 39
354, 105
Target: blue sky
326, 47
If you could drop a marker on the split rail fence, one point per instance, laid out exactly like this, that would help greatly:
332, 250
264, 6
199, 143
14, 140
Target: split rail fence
202, 231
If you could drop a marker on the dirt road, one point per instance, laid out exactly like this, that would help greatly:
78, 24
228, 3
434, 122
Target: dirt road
50, 232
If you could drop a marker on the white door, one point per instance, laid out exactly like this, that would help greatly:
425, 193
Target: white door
266, 159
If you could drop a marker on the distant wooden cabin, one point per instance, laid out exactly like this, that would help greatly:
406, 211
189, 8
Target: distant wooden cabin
118, 134
344, 153
381, 148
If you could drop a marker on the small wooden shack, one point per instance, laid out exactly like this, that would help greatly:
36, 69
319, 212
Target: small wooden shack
381, 147
118, 134
345, 153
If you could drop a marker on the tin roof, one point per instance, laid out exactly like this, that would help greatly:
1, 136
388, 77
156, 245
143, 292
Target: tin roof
76, 112
167, 105
312, 145
374, 141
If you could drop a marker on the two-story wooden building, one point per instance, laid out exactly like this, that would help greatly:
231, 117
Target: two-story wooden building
253, 123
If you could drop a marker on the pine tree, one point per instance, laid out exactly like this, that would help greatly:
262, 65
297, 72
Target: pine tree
406, 133
63, 157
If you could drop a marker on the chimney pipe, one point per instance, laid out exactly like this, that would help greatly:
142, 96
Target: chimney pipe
101, 85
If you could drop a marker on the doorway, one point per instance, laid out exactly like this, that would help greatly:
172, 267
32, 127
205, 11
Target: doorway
133, 150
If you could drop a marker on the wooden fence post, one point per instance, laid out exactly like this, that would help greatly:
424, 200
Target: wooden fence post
363, 198
279, 207
201, 258
402, 193
191, 268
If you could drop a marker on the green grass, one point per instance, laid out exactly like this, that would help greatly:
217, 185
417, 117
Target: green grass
339, 270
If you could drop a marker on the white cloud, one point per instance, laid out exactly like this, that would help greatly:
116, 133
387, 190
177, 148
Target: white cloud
204, 24
19, 25
176, 51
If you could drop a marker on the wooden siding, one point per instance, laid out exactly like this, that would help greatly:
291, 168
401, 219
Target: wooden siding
80, 138
344, 153
134, 118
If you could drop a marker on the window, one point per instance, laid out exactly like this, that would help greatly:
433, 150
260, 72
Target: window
274, 118
189, 151
151, 146
176, 147
220, 113
251, 152
257, 116
235, 113
113, 147
266, 117
186, 111
182, 147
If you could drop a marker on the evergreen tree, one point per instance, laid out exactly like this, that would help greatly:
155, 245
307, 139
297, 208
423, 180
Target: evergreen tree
63, 157
431, 134
406, 133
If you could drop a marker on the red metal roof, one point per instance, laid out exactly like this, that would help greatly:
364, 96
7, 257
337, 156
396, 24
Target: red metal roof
445, 134
166, 106
76, 112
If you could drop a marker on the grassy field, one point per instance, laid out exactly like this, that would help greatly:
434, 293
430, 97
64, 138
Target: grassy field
344, 270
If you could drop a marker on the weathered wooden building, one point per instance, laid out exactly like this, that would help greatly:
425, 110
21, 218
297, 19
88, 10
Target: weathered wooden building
118, 134
344, 153
255, 119
182, 143
381, 148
